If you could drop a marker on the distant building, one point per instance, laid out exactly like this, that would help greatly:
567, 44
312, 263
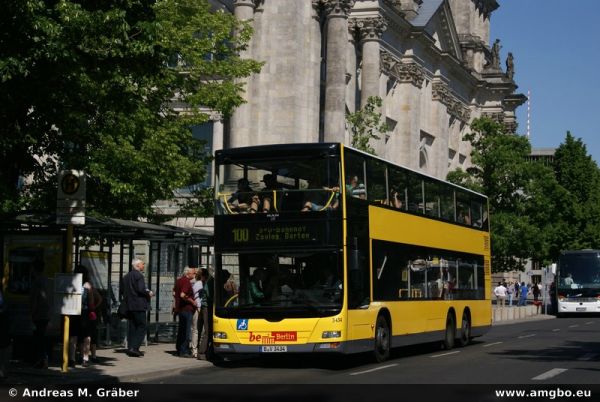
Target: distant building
429, 60
543, 155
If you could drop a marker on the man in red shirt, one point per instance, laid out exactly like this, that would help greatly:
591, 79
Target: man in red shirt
184, 307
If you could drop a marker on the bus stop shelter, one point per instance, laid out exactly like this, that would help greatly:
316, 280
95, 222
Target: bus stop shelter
106, 246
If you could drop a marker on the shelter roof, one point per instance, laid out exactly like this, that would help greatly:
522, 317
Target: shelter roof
106, 227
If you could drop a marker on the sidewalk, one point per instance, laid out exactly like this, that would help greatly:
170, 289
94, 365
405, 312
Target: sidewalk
513, 314
113, 366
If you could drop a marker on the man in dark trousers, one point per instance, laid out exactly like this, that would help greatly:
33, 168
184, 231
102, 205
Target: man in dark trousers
137, 299
185, 305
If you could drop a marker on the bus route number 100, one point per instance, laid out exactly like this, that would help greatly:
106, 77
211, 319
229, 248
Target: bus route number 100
240, 235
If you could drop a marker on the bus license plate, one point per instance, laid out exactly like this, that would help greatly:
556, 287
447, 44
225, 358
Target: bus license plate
273, 349
580, 308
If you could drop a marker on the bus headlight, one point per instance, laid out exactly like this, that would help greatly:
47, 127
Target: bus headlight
331, 334
219, 335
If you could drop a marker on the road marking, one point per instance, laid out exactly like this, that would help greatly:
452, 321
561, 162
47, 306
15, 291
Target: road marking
556, 330
573, 326
588, 356
374, 369
491, 344
446, 354
549, 374
589, 322
526, 336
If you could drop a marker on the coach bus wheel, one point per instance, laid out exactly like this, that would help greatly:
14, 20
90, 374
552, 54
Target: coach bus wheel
450, 334
382, 339
465, 330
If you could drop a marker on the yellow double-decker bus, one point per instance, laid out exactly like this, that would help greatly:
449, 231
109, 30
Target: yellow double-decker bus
321, 248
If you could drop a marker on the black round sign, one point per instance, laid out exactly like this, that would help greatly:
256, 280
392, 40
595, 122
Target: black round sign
70, 184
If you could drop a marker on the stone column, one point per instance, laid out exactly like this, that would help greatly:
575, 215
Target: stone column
337, 12
371, 30
240, 120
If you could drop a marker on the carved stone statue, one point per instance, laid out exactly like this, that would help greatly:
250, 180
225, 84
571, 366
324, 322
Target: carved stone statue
510, 66
496, 54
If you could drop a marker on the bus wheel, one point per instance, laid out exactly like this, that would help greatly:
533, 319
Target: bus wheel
465, 330
450, 334
382, 339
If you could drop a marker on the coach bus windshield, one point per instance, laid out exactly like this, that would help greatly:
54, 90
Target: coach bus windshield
579, 274
279, 285
276, 184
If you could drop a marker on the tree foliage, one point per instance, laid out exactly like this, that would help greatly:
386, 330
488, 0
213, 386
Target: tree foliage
366, 125
535, 210
89, 85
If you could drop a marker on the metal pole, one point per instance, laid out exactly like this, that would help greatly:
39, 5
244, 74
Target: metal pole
69, 268
121, 260
158, 261
109, 292
149, 287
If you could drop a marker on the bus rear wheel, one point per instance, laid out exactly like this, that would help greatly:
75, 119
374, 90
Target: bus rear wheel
382, 339
465, 330
450, 333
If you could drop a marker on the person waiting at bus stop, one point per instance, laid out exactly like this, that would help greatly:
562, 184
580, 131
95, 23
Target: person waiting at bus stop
184, 306
137, 302
523, 292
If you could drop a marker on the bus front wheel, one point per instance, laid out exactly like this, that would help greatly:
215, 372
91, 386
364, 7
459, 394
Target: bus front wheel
450, 333
382, 339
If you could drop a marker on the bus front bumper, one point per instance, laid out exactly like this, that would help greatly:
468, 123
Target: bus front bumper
235, 348
579, 307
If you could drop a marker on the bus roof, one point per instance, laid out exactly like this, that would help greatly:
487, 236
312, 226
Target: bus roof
299, 149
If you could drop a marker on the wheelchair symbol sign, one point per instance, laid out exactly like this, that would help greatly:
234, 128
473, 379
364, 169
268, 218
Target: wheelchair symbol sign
242, 324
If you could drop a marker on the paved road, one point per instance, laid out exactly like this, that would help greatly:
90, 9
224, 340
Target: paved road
560, 351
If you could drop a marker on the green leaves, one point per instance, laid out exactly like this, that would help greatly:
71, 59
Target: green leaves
89, 85
536, 210
366, 125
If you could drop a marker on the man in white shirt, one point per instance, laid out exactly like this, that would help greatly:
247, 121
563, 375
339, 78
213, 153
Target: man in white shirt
500, 292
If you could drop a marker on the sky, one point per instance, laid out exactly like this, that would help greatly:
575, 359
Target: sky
556, 49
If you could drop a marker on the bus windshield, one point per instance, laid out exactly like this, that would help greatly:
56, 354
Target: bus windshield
278, 183
270, 285
579, 273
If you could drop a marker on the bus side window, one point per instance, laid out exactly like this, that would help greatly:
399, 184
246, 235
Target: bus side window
355, 176
397, 183
476, 214
463, 210
415, 193
432, 199
376, 182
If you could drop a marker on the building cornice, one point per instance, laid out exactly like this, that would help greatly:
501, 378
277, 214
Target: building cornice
457, 108
403, 71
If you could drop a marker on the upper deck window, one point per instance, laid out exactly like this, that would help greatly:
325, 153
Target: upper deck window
276, 183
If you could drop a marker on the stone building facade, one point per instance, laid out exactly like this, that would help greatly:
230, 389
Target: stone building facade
429, 60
